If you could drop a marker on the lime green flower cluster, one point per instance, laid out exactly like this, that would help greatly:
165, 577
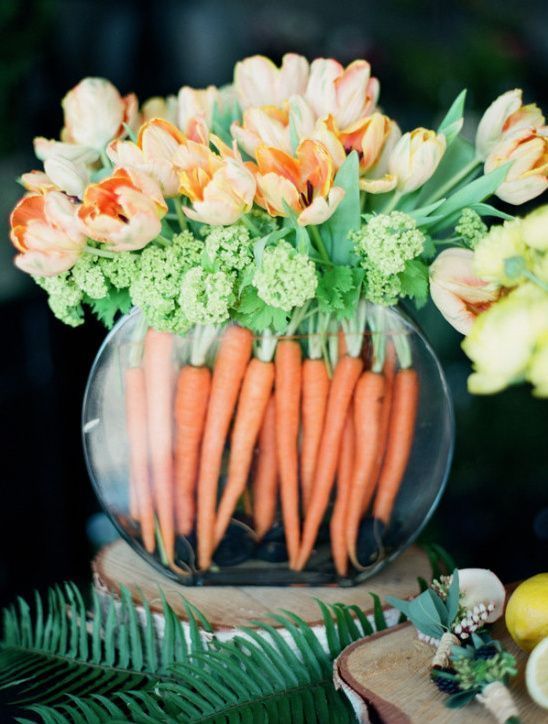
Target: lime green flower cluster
385, 245
64, 298
509, 342
472, 672
229, 247
206, 296
157, 286
470, 227
285, 278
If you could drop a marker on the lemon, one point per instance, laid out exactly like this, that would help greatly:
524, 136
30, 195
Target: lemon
527, 612
536, 674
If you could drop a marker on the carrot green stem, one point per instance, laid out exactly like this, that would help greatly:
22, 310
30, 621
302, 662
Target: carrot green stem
401, 342
202, 339
160, 541
137, 341
266, 346
377, 323
298, 316
354, 329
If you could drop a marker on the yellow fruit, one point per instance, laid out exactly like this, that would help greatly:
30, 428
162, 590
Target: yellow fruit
536, 674
527, 612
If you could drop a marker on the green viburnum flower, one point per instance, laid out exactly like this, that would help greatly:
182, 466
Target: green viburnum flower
471, 227
206, 296
229, 247
388, 241
156, 288
64, 299
88, 275
285, 278
380, 288
121, 269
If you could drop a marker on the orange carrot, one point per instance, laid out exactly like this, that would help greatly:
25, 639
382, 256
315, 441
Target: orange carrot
230, 367
136, 414
342, 343
389, 370
157, 362
368, 401
344, 380
287, 397
344, 477
265, 481
400, 440
254, 397
314, 403
191, 400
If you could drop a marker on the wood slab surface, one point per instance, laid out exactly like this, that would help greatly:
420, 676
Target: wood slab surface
227, 607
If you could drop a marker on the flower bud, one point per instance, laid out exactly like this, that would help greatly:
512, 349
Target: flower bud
415, 158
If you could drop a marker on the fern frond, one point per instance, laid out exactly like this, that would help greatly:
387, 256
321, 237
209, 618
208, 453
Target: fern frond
66, 666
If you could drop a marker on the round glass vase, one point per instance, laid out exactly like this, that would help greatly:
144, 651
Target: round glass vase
382, 460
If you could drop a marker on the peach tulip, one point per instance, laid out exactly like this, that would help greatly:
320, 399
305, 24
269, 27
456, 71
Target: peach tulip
95, 113
153, 154
267, 125
46, 148
303, 182
258, 82
456, 291
221, 188
348, 95
504, 117
368, 137
37, 182
123, 210
415, 157
158, 107
195, 111
528, 174
46, 231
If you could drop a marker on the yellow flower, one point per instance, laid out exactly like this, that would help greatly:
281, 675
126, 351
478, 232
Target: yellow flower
456, 291
258, 82
534, 229
348, 94
47, 233
506, 115
503, 339
502, 242
527, 177
415, 158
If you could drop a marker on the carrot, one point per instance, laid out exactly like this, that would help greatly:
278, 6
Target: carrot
341, 343
389, 370
367, 417
400, 440
344, 380
254, 397
192, 396
315, 390
265, 480
136, 414
230, 367
344, 477
157, 362
287, 399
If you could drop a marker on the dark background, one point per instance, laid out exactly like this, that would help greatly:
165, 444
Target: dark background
495, 511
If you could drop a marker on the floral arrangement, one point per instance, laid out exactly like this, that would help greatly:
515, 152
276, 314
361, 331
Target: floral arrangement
286, 204
453, 614
290, 187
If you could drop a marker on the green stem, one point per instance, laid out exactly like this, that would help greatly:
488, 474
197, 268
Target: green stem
391, 205
533, 278
100, 252
246, 221
318, 243
105, 160
181, 218
454, 180
164, 241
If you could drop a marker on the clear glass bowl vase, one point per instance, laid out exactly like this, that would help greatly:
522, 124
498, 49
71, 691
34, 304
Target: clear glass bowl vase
322, 479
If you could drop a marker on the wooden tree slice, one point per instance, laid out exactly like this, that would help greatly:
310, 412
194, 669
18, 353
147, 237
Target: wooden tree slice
229, 607
387, 679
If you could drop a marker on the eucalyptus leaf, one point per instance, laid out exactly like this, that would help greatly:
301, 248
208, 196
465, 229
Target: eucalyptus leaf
461, 698
453, 597
425, 616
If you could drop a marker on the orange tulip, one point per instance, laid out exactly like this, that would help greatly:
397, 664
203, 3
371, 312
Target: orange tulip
123, 210
258, 82
46, 231
368, 137
303, 182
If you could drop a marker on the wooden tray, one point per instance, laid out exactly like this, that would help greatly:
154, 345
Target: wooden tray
228, 607
387, 677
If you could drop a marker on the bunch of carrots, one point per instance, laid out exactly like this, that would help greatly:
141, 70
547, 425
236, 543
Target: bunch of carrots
296, 415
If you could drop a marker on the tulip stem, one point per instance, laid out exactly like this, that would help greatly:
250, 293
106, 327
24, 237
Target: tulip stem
164, 241
181, 218
100, 252
391, 205
246, 221
454, 180
318, 243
